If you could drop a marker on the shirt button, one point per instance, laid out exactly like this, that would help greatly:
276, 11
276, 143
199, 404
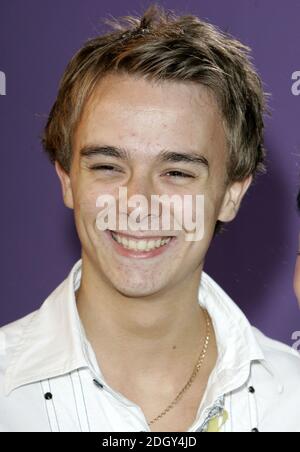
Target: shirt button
99, 385
255, 430
251, 390
280, 389
48, 396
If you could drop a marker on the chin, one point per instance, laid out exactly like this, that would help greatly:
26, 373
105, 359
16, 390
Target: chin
136, 289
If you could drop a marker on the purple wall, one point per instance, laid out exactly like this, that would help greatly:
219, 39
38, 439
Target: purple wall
253, 261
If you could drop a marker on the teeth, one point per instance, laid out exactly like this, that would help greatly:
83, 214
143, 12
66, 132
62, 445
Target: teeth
140, 245
157, 243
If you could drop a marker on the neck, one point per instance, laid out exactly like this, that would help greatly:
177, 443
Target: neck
151, 333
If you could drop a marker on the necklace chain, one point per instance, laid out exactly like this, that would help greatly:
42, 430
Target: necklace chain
194, 374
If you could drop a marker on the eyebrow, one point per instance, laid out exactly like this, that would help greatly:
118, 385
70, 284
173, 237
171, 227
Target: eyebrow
163, 157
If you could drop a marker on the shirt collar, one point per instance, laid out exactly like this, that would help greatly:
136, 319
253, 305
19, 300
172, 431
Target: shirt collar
236, 342
53, 341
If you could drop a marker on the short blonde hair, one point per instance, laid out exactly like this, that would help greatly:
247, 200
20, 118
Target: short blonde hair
162, 46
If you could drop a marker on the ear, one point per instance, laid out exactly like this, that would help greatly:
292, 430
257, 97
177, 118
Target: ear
233, 198
65, 185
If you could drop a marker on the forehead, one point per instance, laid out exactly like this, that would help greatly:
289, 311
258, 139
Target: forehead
139, 113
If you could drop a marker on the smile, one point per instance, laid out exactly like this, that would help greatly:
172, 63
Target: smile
140, 247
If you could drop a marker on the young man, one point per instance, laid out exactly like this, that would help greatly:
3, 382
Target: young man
138, 337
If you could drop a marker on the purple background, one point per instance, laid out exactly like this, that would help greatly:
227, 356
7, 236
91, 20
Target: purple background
253, 261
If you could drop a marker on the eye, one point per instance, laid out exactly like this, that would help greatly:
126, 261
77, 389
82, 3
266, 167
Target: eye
179, 174
104, 168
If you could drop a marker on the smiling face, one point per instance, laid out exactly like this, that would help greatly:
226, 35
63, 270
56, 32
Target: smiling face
132, 134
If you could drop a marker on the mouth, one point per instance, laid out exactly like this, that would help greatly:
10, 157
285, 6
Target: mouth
140, 246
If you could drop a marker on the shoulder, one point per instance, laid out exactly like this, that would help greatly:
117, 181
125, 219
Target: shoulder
281, 360
277, 352
276, 381
12, 335
10, 338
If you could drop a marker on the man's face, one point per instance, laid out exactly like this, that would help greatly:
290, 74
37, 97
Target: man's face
146, 119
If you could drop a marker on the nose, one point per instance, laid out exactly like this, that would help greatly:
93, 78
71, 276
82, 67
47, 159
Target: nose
139, 191
140, 184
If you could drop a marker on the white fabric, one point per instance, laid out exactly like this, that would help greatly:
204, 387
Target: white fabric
48, 352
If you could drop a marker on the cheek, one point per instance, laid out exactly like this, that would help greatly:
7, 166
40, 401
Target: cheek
85, 203
211, 210
203, 224
87, 190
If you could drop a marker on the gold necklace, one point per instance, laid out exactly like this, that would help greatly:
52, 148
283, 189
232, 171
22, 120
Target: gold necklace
194, 374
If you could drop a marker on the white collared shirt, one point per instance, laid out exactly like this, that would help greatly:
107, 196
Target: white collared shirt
50, 380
